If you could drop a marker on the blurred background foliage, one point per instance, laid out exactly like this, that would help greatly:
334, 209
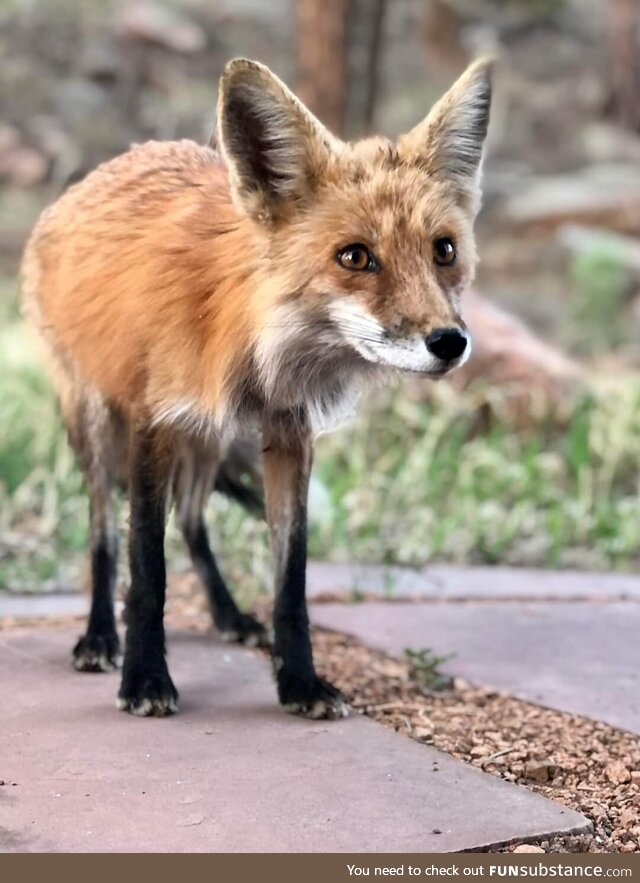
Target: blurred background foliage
529, 456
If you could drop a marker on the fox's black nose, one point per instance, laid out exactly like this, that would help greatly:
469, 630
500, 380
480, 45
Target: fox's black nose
446, 343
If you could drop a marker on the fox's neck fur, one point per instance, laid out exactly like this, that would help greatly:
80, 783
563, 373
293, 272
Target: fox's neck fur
207, 333
198, 287
255, 349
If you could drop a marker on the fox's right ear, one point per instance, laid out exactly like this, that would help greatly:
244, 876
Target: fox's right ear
449, 142
275, 148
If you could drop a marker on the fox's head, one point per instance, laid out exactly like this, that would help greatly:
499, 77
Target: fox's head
368, 244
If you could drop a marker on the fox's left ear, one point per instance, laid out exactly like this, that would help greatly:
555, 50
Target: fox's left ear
450, 140
276, 150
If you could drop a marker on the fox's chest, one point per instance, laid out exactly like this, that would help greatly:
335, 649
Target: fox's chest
323, 402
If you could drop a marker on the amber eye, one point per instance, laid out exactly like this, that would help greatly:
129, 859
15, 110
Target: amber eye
357, 257
444, 252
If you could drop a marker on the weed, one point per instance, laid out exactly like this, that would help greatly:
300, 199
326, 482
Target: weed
424, 668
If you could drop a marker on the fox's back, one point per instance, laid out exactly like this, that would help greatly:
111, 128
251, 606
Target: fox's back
115, 271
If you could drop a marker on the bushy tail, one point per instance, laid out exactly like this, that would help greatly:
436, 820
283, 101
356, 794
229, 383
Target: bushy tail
240, 477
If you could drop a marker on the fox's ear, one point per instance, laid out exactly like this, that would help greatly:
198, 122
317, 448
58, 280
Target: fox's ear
274, 147
450, 140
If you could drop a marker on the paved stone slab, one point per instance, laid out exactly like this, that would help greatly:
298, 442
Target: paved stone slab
34, 606
580, 657
231, 772
456, 582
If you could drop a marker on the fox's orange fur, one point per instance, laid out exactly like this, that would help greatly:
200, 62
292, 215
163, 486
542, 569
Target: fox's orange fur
132, 270
151, 282
185, 291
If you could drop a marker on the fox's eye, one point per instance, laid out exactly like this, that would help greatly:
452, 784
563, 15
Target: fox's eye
357, 257
444, 252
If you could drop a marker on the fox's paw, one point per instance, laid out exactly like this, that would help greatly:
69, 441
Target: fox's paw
244, 629
316, 699
147, 694
96, 653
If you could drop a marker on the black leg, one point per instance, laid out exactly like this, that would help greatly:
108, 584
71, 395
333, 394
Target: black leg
91, 429
192, 487
147, 688
287, 463
99, 648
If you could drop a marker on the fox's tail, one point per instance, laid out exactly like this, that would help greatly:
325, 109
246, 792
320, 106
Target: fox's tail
240, 477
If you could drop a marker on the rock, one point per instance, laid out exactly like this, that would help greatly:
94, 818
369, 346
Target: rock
629, 817
625, 250
606, 143
607, 194
99, 60
422, 733
24, 166
536, 380
9, 138
528, 847
539, 770
617, 773
536, 377
152, 24
480, 751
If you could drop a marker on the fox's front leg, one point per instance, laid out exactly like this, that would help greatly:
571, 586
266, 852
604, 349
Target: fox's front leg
147, 688
287, 460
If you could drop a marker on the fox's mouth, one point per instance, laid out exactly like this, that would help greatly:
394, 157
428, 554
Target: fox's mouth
433, 355
434, 373
408, 357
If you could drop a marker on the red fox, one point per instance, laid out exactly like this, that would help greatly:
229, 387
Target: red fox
188, 293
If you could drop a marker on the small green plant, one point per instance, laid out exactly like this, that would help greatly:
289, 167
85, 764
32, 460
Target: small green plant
425, 668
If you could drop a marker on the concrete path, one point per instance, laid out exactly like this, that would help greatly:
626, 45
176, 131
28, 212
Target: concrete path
34, 606
231, 772
447, 582
580, 657
452, 582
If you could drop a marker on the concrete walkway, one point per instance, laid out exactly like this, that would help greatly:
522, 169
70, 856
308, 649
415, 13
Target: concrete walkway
564, 640
231, 772
16, 606
453, 582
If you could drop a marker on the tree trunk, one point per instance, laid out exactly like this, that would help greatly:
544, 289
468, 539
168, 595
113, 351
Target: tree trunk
322, 49
624, 61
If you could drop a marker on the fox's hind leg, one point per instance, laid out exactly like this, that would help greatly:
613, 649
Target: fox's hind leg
194, 478
92, 435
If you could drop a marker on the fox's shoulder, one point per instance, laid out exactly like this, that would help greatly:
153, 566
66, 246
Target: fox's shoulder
162, 156
141, 185
154, 163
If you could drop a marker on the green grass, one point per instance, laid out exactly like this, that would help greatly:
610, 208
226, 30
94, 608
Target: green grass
602, 287
405, 483
412, 482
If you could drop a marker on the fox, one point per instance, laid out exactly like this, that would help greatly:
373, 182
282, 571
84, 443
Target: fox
190, 296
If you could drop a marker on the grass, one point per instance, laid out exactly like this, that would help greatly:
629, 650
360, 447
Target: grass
405, 483
413, 482
602, 286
